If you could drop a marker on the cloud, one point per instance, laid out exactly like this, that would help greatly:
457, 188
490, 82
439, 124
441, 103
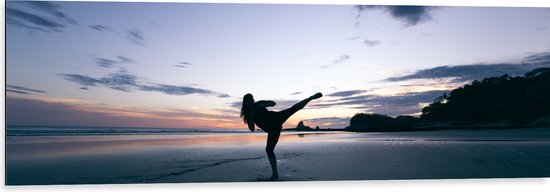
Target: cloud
120, 81
408, 15
354, 38
367, 42
236, 104
136, 37
117, 81
407, 103
19, 24
538, 58
408, 99
22, 90
52, 9
18, 18
123, 59
16, 91
346, 93
183, 64
108, 63
175, 90
463, 73
51, 19
296, 93
328, 122
81, 79
105, 63
129, 83
371, 43
100, 27
339, 60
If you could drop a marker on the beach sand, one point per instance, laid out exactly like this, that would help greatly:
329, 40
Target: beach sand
308, 156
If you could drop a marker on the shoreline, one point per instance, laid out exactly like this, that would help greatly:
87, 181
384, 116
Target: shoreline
34, 130
439, 128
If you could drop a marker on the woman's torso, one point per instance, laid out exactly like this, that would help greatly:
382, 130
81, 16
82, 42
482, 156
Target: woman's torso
265, 119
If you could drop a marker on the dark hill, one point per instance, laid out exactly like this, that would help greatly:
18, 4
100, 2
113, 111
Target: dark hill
494, 102
504, 100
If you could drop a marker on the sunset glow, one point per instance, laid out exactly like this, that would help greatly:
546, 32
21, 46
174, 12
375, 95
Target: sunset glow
187, 65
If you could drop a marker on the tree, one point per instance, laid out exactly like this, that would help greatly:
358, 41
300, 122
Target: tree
508, 100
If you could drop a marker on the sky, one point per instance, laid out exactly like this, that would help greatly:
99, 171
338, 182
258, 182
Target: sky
188, 65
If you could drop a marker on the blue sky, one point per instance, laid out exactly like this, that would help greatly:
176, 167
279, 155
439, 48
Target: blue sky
189, 64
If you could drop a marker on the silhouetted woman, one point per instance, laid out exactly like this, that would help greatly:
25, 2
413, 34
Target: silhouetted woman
269, 121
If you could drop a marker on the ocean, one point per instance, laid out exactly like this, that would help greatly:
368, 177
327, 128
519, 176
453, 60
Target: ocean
20, 130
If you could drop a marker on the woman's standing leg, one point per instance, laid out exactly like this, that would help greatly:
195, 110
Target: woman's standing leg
273, 135
272, 139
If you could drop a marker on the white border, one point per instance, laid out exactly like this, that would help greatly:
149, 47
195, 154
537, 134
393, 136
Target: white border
462, 185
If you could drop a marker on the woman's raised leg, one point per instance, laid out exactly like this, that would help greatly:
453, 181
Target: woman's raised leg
296, 107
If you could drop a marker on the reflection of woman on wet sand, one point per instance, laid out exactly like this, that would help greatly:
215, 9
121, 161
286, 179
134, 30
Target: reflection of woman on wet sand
269, 121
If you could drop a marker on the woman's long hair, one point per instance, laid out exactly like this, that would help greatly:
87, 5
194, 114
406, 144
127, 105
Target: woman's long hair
247, 109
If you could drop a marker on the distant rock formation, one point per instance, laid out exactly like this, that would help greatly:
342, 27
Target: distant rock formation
302, 127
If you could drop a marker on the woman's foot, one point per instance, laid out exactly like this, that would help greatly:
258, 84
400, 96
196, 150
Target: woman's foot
316, 96
274, 177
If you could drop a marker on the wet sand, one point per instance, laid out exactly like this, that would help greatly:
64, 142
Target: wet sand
240, 157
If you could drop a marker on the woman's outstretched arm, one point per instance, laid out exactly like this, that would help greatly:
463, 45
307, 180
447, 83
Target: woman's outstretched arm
264, 103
